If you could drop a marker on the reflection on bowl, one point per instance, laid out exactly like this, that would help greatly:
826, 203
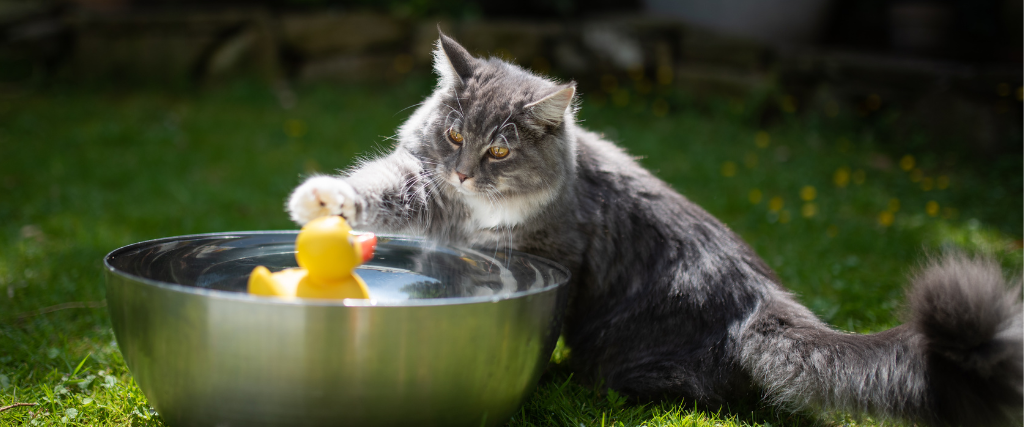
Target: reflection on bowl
450, 336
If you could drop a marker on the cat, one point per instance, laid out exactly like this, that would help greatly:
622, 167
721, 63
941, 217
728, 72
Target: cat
666, 301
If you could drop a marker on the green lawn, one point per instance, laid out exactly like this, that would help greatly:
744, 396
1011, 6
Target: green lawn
838, 206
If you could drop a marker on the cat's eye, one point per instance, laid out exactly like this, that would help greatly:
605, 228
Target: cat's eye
498, 152
454, 136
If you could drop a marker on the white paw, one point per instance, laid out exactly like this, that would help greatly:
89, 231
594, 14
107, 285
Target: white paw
322, 196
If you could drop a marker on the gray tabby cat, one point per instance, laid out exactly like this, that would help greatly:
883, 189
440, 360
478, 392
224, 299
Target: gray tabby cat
667, 301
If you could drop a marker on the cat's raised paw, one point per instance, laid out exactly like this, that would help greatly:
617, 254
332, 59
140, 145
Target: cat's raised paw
322, 196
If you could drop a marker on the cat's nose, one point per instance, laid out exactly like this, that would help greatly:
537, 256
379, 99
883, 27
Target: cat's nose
462, 176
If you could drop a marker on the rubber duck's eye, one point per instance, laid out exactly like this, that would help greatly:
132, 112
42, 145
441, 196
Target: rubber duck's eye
498, 152
454, 136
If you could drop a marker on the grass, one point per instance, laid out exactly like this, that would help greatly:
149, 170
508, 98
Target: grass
833, 204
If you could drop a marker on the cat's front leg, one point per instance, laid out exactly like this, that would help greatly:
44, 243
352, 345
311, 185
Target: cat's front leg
322, 196
388, 195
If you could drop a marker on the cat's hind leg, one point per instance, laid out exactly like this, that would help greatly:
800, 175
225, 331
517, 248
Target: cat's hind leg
696, 374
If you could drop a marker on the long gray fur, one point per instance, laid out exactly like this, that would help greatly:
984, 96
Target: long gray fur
667, 301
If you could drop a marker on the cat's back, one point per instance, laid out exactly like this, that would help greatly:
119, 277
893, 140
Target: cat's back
620, 201
607, 173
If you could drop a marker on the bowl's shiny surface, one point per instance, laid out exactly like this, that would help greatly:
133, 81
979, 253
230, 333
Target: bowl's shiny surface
451, 336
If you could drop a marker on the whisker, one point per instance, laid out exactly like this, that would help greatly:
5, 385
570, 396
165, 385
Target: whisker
504, 122
448, 116
459, 112
413, 105
516, 128
463, 113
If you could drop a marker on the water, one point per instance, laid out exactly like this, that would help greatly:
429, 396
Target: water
384, 276
401, 269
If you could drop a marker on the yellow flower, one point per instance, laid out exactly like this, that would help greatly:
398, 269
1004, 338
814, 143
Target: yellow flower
843, 144
932, 208
916, 175
942, 182
762, 139
886, 218
754, 196
643, 86
775, 204
858, 176
907, 162
842, 177
664, 74
295, 128
750, 160
832, 231
728, 169
809, 210
659, 108
788, 104
620, 98
808, 193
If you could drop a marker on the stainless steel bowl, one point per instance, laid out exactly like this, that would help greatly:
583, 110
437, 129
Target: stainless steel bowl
451, 337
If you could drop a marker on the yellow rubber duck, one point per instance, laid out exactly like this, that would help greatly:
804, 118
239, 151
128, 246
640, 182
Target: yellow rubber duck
327, 251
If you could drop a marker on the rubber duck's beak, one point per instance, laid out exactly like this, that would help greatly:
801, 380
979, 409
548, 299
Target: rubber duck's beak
365, 244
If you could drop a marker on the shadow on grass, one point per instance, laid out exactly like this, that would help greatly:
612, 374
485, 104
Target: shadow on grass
562, 400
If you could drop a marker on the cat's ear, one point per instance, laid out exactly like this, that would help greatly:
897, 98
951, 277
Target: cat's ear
452, 61
551, 108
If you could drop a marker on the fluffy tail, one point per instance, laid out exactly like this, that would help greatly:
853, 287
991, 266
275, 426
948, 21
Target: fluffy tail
971, 324
956, 362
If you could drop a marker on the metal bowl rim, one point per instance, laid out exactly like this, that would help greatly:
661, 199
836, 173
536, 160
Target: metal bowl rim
247, 298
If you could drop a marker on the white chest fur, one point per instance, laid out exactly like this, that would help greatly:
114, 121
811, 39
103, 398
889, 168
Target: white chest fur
503, 212
486, 213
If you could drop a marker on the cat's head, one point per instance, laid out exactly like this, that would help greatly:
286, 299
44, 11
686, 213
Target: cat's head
494, 130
